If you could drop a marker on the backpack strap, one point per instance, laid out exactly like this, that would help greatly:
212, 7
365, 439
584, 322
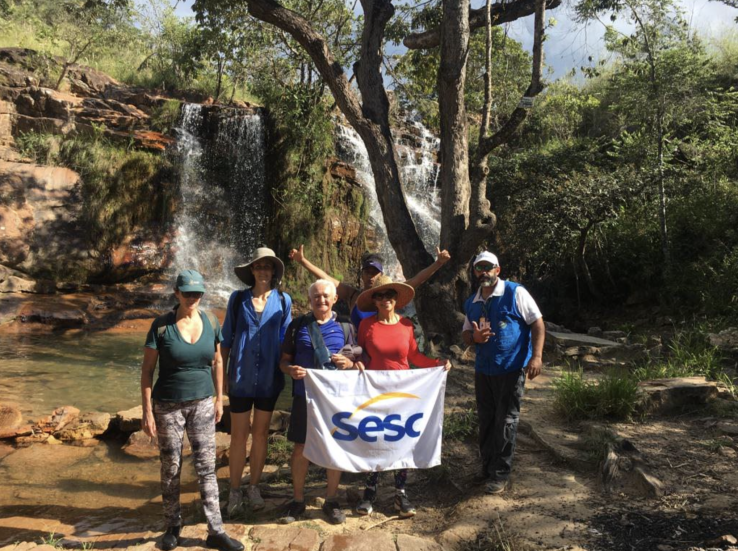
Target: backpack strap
284, 306
162, 322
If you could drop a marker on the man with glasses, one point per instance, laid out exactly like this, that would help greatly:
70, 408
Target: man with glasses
506, 327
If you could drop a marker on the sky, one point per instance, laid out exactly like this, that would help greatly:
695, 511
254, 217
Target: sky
570, 44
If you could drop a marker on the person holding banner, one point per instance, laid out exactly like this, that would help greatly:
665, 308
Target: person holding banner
388, 342
255, 324
314, 341
505, 325
371, 269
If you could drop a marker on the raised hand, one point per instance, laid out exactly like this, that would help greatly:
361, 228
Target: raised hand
297, 255
481, 335
442, 256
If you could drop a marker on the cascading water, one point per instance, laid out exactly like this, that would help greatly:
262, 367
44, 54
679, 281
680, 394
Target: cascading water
416, 149
224, 200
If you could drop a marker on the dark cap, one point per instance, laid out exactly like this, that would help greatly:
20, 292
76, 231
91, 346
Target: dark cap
372, 261
189, 281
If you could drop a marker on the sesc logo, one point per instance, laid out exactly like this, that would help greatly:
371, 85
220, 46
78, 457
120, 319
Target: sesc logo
392, 427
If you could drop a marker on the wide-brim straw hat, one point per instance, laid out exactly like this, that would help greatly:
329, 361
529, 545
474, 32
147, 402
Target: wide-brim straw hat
405, 293
243, 272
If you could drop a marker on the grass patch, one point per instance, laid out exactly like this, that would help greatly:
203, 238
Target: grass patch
689, 355
614, 396
496, 538
460, 425
52, 540
715, 444
165, 117
279, 451
596, 441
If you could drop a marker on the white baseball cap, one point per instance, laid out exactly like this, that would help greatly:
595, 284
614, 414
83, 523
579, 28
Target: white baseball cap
486, 256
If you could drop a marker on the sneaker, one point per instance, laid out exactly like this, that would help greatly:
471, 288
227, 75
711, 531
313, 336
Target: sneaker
223, 542
235, 502
295, 510
495, 486
365, 505
171, 538
252, 492
333, 511
403, 506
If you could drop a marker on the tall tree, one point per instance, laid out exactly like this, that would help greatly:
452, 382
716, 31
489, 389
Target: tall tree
467, 220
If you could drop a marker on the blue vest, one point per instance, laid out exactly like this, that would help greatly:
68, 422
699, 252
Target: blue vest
509, 349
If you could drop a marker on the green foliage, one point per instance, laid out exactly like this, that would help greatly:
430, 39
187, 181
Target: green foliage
165, 117
596, 443
52, 540
416, 73
689, 355
614, 396
279, 451
460, 425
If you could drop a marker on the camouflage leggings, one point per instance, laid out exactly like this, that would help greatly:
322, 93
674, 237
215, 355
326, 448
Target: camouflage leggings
197, 417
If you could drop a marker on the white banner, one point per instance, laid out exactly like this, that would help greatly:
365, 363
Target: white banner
375, 420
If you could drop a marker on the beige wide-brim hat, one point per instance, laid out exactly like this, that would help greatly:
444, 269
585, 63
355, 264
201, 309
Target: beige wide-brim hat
243, 272
405, 293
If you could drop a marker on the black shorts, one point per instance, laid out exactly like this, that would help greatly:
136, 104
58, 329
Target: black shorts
298, 420
242, 405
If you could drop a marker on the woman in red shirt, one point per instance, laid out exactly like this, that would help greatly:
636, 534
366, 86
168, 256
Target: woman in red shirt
388, 341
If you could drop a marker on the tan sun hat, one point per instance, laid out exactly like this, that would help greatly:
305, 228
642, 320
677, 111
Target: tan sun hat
243, 272
405, 293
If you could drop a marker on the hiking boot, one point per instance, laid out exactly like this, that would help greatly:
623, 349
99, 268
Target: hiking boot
295, 510
333, 512
171, 538
223, 542
495, 486
365, 505
235, 502
252, 492
403, 506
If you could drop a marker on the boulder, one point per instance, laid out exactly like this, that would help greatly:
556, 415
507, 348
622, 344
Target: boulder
145, 447
726, 341
129, 420
594, 332
10, 421
577, 339
58, 314
614, 335
665, 395
280, 421
59, 418
85, 427
13, 281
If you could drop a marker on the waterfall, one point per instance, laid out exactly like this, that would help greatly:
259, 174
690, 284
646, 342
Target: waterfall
220, 221
416, 150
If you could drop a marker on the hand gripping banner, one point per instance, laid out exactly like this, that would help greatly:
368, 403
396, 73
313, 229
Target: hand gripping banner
375, 420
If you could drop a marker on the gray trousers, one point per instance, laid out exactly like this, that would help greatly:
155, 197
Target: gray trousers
197, 418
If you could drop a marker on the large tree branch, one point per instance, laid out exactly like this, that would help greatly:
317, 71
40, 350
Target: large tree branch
482, 220
501, 12
316, 46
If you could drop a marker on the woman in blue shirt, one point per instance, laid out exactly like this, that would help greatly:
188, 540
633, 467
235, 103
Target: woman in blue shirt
255, 324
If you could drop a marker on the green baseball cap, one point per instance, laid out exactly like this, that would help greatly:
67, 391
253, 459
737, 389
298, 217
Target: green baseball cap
190, 280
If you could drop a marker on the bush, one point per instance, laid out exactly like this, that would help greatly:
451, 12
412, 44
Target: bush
460, 424
612, 397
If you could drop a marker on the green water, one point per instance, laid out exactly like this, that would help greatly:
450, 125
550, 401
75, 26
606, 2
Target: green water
92, 372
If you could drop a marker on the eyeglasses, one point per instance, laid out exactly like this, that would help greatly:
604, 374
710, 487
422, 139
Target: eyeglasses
192, 294
484, 267
386, 295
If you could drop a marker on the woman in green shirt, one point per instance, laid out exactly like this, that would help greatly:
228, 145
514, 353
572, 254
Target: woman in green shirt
186, 344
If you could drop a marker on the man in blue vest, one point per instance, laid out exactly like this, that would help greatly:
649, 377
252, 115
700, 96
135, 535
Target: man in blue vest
506, 326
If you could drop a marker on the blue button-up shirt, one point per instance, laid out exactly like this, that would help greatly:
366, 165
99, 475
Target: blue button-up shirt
255, 342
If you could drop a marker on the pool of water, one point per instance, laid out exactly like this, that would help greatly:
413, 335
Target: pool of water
92, 372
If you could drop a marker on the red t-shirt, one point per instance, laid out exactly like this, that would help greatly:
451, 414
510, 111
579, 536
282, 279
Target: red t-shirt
391, 346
